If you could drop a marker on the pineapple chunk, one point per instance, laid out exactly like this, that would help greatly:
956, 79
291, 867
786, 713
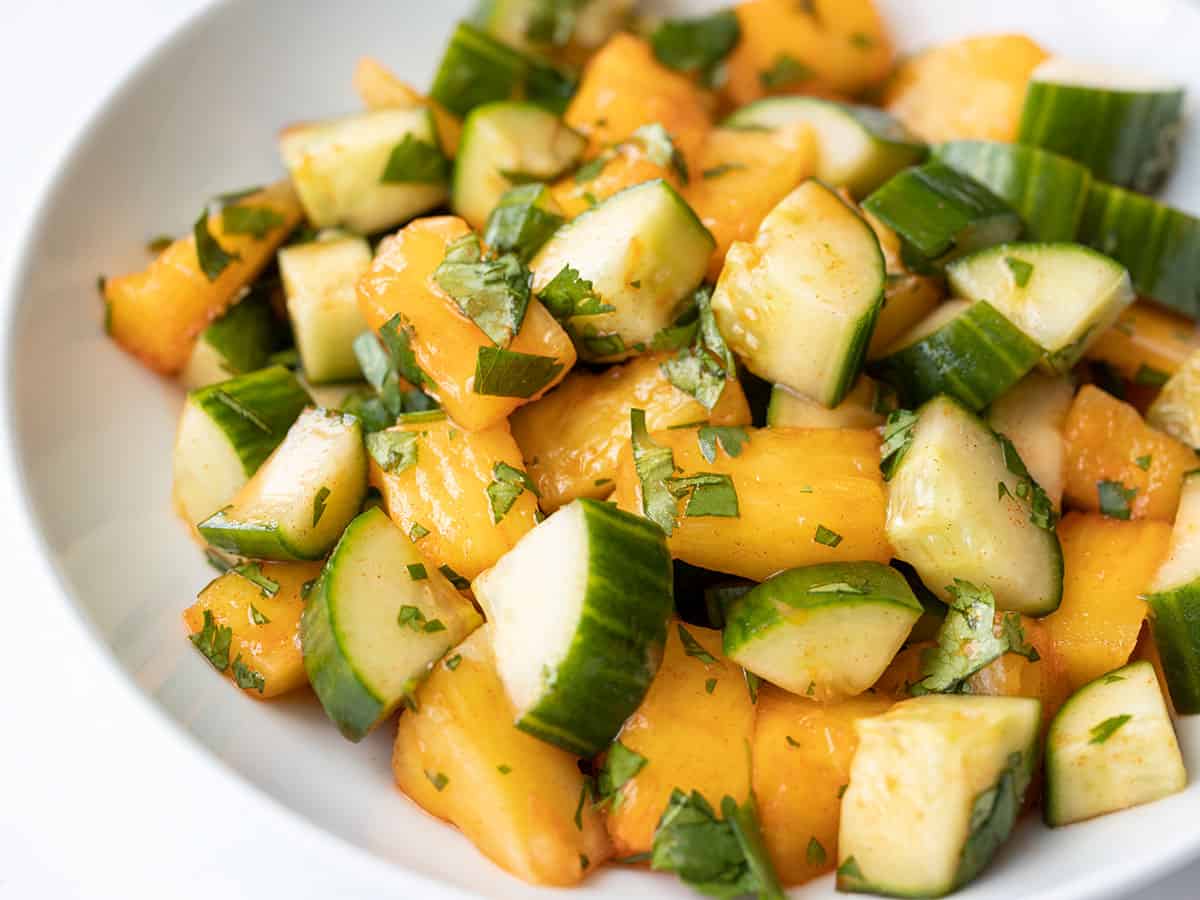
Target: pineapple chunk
517, 798
158, 313
265, 626
572, 438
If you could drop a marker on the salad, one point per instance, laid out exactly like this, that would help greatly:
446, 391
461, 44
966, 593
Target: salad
711, 444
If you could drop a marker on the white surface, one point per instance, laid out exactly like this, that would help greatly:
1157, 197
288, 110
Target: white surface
99, 796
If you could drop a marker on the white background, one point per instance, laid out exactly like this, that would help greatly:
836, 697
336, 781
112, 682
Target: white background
99, 798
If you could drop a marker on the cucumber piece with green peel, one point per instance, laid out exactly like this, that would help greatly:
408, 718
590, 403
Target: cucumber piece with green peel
504, 144
858, 147
1160, 245
966, 350
1124, 126
1176, 409
577, 654
476, 68
963, 506
1048, 191
940, 214
825, 632
320, 281
226, 431
240, 341
1110, 747
299, 501
641, 252
522, 220
377, 620
953, 766
367, 172
1174, 601
864, 406
799, 304
1063, 296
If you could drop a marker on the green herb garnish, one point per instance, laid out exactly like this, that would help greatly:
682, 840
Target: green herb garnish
730, 437
567, 295
506, 373
454, 578
437, 779
394, 451
257, 617
897, 437
453, 662
508, 483
247, 678
213, 641
620, 765
417, 532
1115, 499
693, 647
319, 505
654, 465
815, 854
722, 169
785, 71
252, 220
253, 572
492, 293
213, 258
414, 161
416, 571
707, 365
827, 536
1106, 729
1021, 270
697, 45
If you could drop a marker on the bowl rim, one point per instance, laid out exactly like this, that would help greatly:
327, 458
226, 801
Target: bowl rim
1163, 861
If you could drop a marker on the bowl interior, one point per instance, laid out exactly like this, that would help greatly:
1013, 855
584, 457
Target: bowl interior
93, 431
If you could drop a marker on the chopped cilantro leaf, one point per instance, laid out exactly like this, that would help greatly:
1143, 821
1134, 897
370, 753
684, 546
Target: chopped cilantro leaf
693, 647
213, 641
492, 293
247, 678
394, 451
967, 640
849, 869
319, 505
620, 765
505, 373
1106, 729
212, 257
414, 161
730, 437
785, 71
520, 223
252, 220
503, 769
567, 295
257, 617
454, 662
1148, 376
437, 779
897, 436
722, 169
1115, 499
792, 742
655, 466
752, 684
253, 572
827, 536
698, 44
416, 571
454, 578
1041, 509
1143, 462
862, 41
411, 617
1021, 271
508, 483
710, 685
417, 532
815, 854
584, 862
703, 369
707, 493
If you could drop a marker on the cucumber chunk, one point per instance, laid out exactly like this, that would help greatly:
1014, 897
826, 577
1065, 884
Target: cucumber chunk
578, 654
864, 406
1175, 602
297, 504
240, 341
644, 251
504, 144
826, 631
320, 280
956, 767
799, 304
476, 69
1123, 126
966, 350
1159, 245
1047, 190
535, 24
226, 431
1110, 747
1064, 296
372, 630
339, 168
940, 214
1176, 409
858, 147
962, 506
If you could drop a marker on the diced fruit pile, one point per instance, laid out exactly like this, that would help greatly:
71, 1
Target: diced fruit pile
706, 467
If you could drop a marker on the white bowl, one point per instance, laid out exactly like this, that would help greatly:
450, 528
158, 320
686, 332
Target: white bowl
92, 430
